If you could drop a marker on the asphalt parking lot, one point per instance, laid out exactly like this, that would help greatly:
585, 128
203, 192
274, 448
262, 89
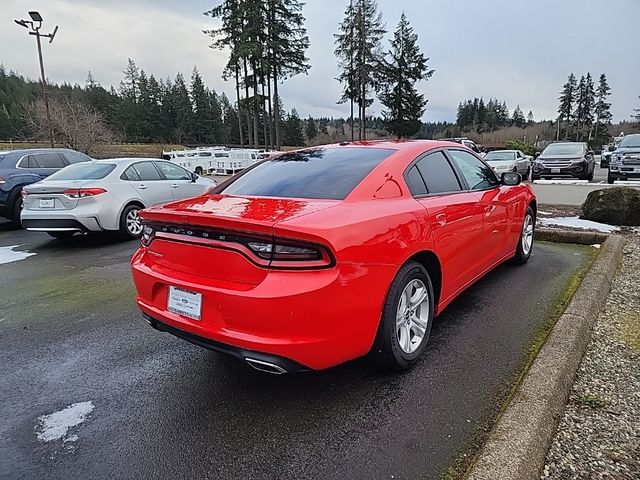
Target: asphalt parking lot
157, 407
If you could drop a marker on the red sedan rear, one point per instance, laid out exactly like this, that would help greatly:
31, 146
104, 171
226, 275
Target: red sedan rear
320, 256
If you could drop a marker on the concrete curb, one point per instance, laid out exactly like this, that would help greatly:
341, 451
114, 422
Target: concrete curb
518, 444
569, 236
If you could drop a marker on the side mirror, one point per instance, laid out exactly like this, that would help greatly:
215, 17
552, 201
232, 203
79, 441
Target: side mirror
591, 152
613, 149
511, 179
536, 155
194, 177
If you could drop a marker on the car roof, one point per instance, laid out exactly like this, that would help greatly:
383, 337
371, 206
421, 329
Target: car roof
24, 151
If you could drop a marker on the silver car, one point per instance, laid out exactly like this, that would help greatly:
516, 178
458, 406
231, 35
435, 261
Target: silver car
509, 161
105, 195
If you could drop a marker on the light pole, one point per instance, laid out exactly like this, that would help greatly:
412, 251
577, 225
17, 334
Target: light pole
34, 24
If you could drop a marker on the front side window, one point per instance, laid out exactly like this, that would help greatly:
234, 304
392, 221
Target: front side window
319, 173
438, 174
46, 160
146, 171
477, 175
173, 172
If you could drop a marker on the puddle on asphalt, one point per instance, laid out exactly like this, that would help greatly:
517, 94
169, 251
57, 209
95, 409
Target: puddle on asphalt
56, 425
9, 254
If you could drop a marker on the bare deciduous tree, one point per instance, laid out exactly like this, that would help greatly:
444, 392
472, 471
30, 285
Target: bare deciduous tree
75, 124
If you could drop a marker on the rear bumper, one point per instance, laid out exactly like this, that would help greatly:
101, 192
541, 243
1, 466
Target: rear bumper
316, 319
284, 364
57, 220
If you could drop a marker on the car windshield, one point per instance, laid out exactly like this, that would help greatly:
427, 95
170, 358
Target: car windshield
83, 171
320, 173
564, 149
499, 156
630, 141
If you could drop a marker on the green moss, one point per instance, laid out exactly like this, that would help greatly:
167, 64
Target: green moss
591, 401
629, 328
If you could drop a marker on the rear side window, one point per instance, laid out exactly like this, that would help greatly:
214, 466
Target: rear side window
130, 175
76, 157
477, 175
322, 173
438, 174
46, 160
83, 171
147, 171
415, 183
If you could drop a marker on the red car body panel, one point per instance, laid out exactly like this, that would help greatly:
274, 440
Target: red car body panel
323, 317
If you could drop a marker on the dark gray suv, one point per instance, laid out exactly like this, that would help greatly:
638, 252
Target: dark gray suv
565, 159
24, 167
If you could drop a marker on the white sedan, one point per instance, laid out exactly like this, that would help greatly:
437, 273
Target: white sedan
105, 195
509, 161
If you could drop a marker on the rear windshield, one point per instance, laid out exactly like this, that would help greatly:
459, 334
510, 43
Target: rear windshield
322, 173
499, 156
564, 149
83, 171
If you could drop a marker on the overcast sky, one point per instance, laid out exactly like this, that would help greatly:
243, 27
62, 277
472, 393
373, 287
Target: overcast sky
516, 50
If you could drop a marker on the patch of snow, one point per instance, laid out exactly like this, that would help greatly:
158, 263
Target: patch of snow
630, 183
596, 245
561, 182
545, 213
9, 254
575, 222
55, 426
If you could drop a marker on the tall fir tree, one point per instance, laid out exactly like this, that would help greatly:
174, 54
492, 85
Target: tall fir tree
293, 134
584, 107
400, 70
518, 118
602, 112
359, 51
567, 101
310, 129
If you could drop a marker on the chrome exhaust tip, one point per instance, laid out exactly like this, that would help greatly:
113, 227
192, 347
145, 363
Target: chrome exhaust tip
265, 367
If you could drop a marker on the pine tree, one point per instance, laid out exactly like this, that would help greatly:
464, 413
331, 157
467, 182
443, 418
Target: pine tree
183, 111
358, 48
530, 119
584, 107
310, 128
567, 101
403, 67
293, 134
518, 118
602, 112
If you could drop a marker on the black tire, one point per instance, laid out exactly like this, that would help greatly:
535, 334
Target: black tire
610, 179
590, 176
125, 232
386, 351
527, 174
16, 209
534, 178
521, 257
198, 171
61, 235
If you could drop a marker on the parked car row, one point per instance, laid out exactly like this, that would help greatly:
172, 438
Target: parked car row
63, 192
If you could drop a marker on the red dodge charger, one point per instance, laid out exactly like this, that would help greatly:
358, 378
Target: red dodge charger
323, 255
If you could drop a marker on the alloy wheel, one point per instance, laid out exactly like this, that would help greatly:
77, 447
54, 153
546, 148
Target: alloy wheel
527, 234
134, 226
412, 317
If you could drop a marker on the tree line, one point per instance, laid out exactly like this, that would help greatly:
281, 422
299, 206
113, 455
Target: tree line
490, 116
584, 114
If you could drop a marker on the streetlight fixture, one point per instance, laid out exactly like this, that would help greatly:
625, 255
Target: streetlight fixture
34, 25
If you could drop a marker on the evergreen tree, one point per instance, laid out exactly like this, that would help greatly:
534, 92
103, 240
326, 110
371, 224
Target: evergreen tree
530, 120
293, 134
128, 117
602, 112
358, 48
183, 109
567, 101
203, 119
403, 67
310, 128
584, 107
518, 118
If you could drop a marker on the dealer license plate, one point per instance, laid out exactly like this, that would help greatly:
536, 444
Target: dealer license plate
46, 203
184, 302
555, 170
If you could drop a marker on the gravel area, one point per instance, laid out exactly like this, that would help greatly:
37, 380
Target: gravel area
599, 435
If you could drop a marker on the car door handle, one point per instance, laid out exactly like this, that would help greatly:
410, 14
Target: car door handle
441, 219
174, 185
142, 186
489, 209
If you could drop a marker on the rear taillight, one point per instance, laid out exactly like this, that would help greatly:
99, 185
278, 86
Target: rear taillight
263, 251
83, 192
